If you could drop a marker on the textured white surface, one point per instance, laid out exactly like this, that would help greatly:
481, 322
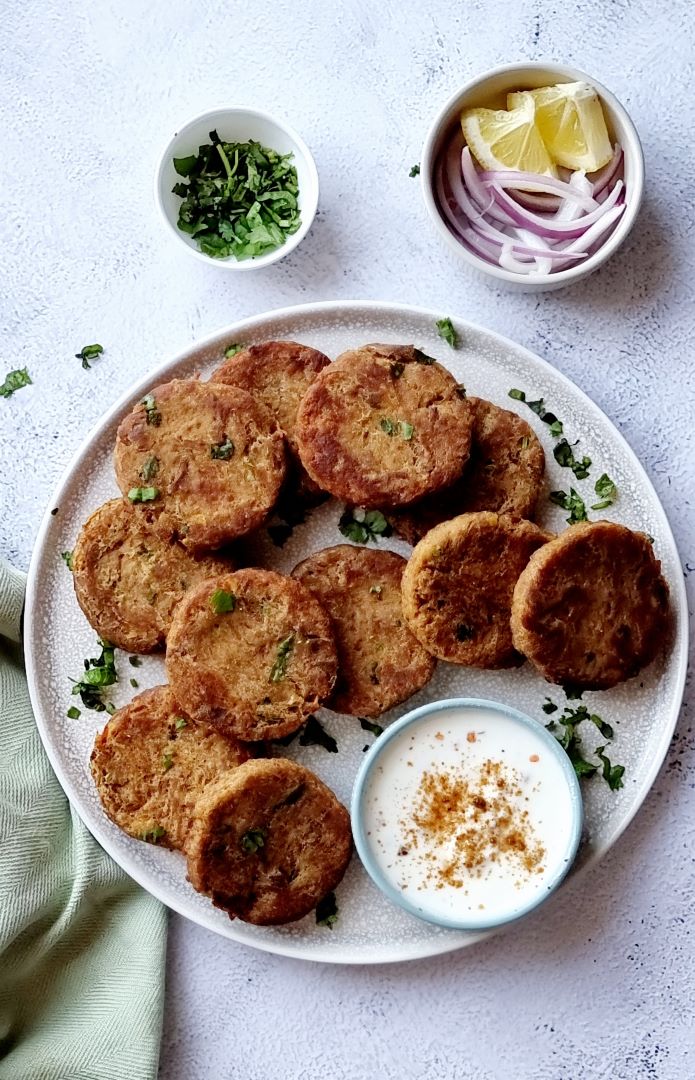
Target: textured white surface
600, 984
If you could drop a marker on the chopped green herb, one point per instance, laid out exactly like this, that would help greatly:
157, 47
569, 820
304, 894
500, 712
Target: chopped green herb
149, 469
524, 442
397, 369
367, 725
423, 358
153, 835
460, 390
464, 632
564, 455
240, 199
605, 729
180, 723
414, 170
143, 494
136, 661
15, 380
315, 734
222, 601
549, 707
606, 491
572, 502
232, 350
327, 911
406, 429
98, 673
167, 762
612, 774
154, 416
66, 556
361, 526
538, 407
573, 693
445, 329
253, 840
134, 683
279, 668
378, 589
222, 451
87, 353
387, 425
73, 712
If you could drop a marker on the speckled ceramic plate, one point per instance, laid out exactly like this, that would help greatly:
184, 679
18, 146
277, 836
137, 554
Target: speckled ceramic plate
642, 711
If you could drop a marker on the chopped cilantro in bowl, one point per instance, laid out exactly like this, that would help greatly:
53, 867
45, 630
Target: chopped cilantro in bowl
238, 187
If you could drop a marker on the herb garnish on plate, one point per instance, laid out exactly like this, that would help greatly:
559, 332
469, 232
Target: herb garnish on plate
445, 329
240, 198
572, 502
327, 911
565, 728
99, 672
606, 491
87, 353
361, 526
14, 380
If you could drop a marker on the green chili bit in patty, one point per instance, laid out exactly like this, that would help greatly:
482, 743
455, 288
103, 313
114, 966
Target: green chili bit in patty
87, 353
387, 425
154, 416
149, 469
240, 198
180, 723
253, 840
445, 329
153, 835
279, 668
406, 430
143, 494
15, 380
327, 911
222, 601
167, 762
222, 451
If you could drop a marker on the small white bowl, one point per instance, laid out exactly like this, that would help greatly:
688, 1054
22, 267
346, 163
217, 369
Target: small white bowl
490, 90
237, 124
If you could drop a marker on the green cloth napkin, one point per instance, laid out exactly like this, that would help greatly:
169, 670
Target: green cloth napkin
82, 947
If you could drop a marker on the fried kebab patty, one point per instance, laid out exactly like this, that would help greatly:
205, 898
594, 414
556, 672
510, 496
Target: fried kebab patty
204, 461
591, 608
383, 426
380, 662
504, 474
251, 653
269, 842
129, 578
458, 586
152, 762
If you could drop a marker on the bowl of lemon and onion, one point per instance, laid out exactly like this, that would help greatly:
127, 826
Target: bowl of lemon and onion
533, 174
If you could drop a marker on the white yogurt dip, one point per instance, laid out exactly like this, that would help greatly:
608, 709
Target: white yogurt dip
468, 814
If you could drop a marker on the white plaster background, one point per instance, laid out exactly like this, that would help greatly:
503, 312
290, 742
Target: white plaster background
600, 983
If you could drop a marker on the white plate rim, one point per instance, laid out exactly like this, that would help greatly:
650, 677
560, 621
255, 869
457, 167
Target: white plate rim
355, 308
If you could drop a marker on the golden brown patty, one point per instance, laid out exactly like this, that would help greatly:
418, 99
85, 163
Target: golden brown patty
128, 578
591, 607
458, 585
383, 426
151, 763
259, 669
380, 663
213, 457
270, 840
504, 474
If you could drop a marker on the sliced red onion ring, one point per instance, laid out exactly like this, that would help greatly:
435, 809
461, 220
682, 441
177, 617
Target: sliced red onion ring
533, 182
562, 230
602, 178
485, 202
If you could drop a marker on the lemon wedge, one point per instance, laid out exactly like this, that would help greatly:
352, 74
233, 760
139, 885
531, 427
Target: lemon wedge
571, 123
507, 140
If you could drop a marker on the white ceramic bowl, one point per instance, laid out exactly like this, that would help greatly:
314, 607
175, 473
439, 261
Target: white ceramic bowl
490, 90
237, 124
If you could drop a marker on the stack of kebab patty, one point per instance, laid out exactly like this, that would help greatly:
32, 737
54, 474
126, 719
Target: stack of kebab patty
250, 653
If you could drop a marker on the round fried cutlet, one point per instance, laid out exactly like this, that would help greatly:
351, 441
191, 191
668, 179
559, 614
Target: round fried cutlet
504, 473
251, 653
129, 578
278, 374
380, 662
383, 426
151, 763
591, 608
207, 460
458, 586
269, 842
